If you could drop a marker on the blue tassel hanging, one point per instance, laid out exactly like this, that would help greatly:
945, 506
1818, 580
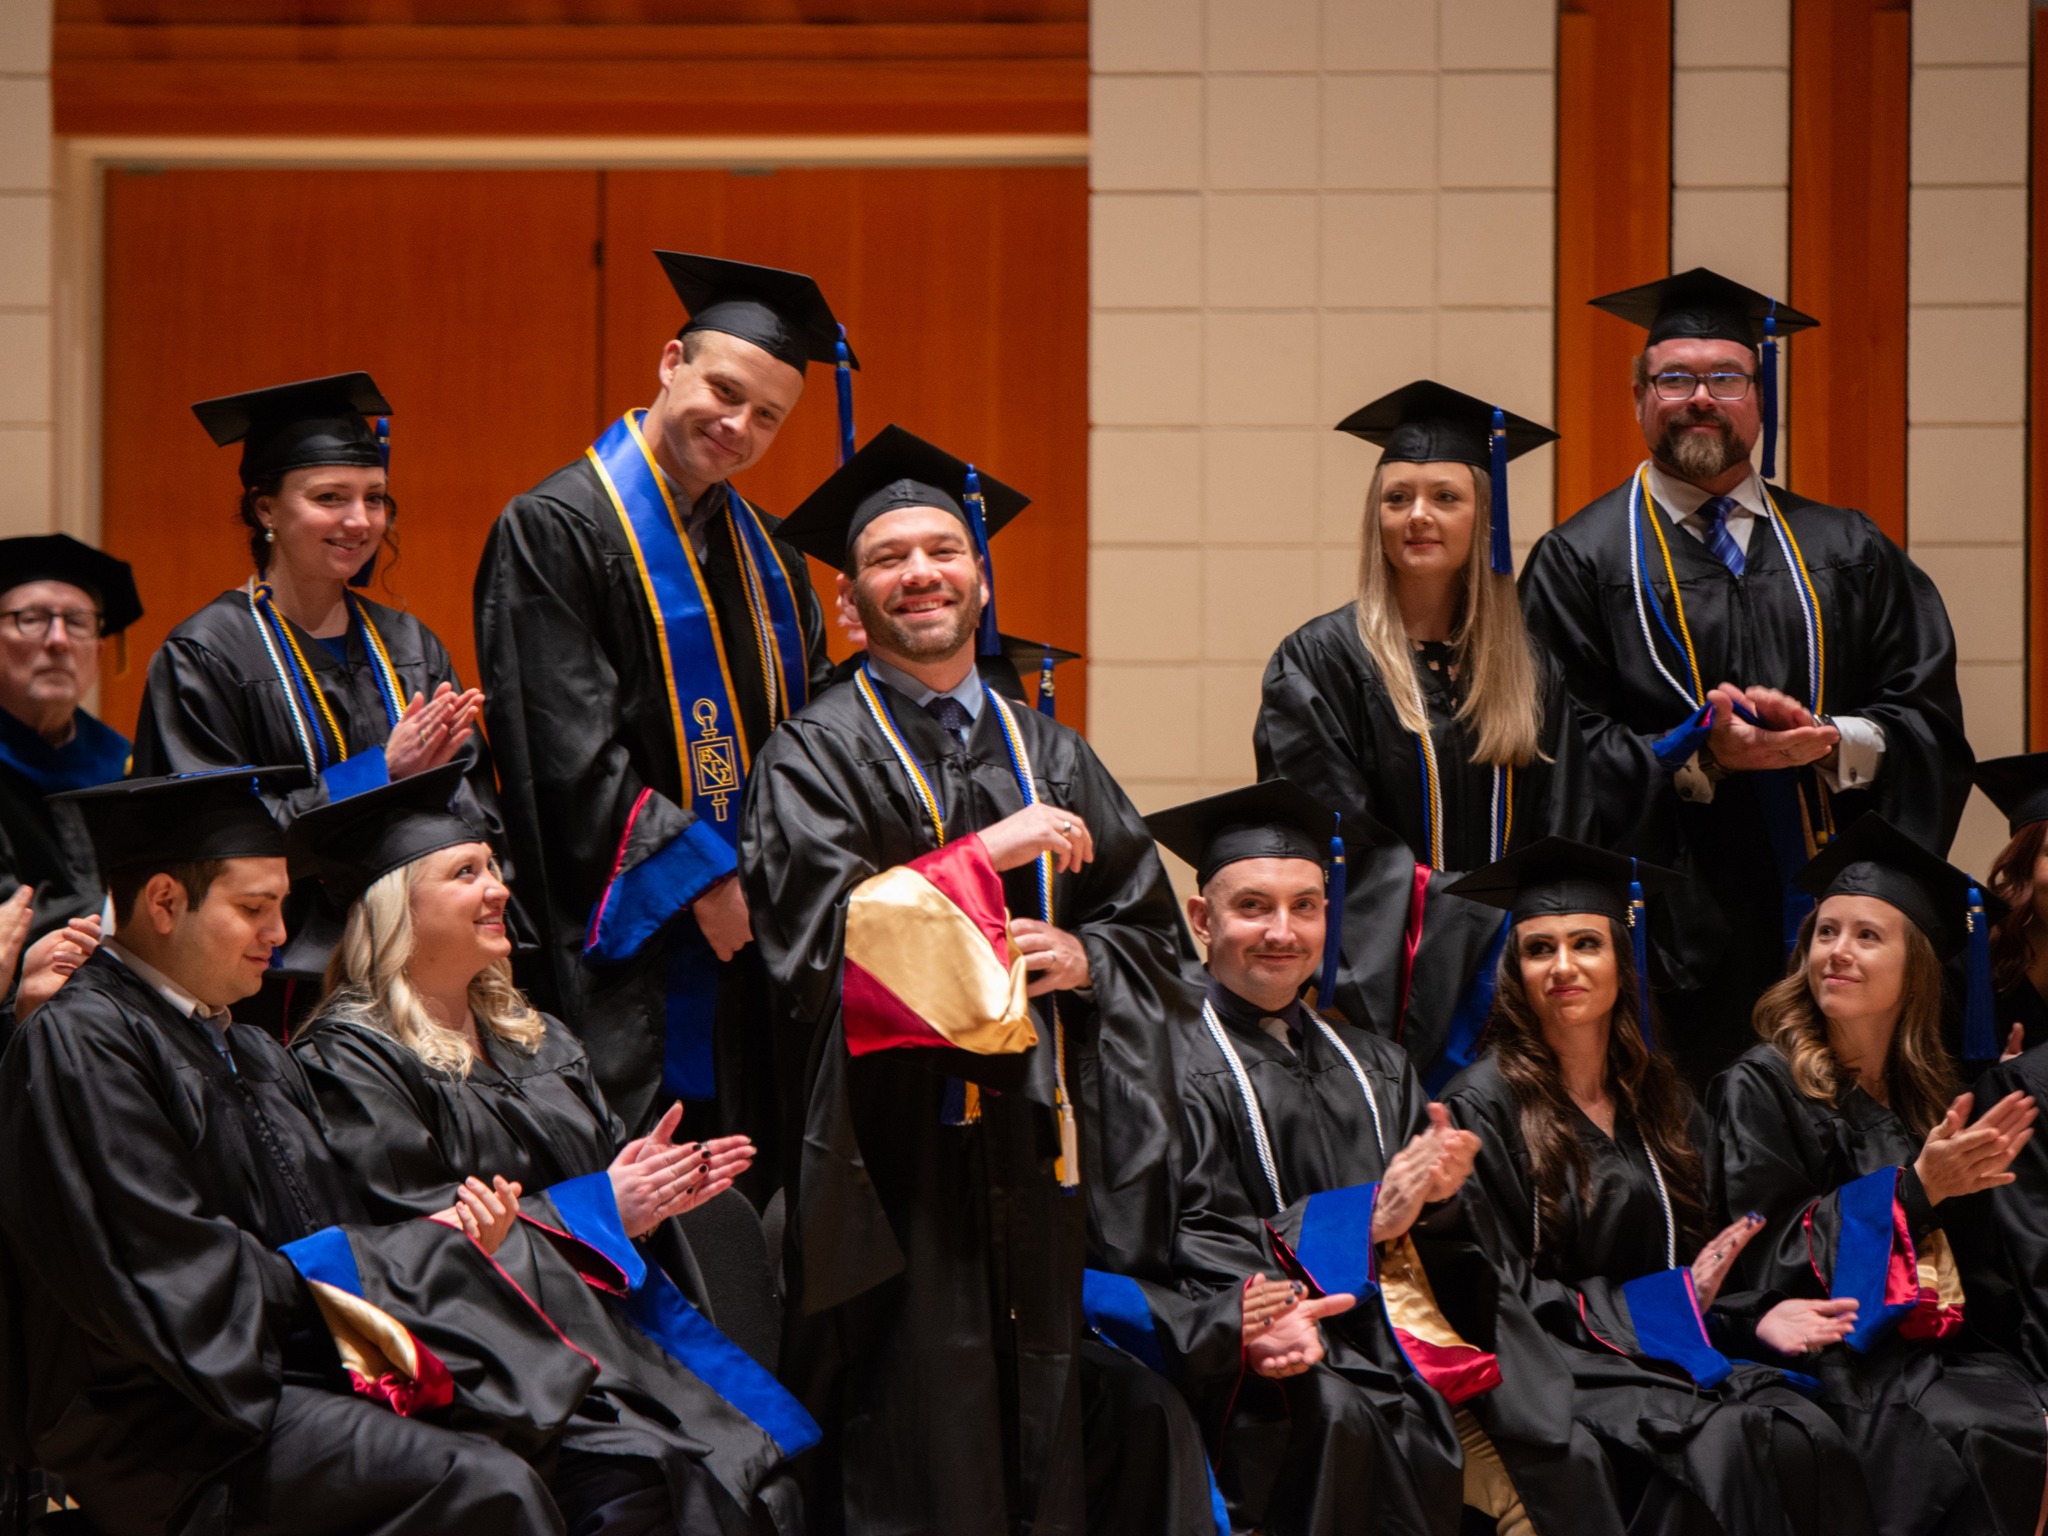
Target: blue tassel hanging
384, 441
1980, 1033
1503, 552
843, 373
1639, 943
1046, 706
1333, 919
989, 639
1770, 387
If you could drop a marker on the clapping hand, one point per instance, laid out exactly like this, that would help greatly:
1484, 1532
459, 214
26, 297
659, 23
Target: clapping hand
653, 1178
484, 1213
1719, 1256
431, 731
50, 962
1961, 1159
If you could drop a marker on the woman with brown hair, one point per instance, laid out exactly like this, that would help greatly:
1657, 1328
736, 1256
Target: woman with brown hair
1596, 1186
1423, 715
1845, 1131
2018, 786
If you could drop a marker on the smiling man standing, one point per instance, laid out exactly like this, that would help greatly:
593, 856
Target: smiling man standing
1754, 669
640, 632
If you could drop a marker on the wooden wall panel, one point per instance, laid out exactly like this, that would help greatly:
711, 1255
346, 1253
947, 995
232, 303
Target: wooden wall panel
965, 295
2037, 409
1851, 79
471, 296
1613, 224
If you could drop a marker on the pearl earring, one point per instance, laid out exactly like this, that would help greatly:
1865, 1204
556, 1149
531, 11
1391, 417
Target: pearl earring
270, 535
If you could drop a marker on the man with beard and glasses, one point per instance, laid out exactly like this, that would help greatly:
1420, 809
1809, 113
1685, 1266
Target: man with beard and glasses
1754, 669
964, 914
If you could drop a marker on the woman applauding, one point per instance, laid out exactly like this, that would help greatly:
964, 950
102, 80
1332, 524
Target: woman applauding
429, 1065
1844, 1130
1591, 1159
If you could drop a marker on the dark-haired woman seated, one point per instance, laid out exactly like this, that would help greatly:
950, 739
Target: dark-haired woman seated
429, 1064
1845, 1131
1591, 1161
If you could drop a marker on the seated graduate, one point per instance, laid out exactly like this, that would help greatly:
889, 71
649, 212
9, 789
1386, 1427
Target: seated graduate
1843, 1128
1423, 707
1594, 1162
1324, 1132
2018, 786
939, 1232
429, 1066
187, 1339
59, 600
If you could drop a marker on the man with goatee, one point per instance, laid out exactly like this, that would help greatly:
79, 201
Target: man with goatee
1756, 669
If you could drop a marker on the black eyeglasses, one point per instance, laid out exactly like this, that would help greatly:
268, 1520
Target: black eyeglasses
1722, 386
34, 623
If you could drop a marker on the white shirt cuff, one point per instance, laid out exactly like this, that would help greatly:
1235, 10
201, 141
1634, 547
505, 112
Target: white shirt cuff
1859, 756
1692, 783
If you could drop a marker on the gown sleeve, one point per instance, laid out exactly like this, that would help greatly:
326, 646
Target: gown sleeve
553, 704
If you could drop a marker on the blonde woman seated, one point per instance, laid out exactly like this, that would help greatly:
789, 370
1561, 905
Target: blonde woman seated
429, 1065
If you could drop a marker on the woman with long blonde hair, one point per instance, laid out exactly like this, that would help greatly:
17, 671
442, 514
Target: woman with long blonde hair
429, 1065
1423, 714
1846, 1131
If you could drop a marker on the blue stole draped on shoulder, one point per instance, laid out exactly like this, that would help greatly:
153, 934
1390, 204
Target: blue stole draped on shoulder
95, 754
712, 751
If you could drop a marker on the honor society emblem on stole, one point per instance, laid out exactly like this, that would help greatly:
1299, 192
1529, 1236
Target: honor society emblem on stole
714, 761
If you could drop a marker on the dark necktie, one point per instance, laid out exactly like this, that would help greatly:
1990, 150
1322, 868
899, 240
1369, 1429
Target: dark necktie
952, 714
1719, 539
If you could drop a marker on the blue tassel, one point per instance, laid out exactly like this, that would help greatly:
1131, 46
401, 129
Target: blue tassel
1639, 942
1503, 552
1046, 706
1770, 387
1980, 1033
989, 639
843, 374
1333, 920
384, 441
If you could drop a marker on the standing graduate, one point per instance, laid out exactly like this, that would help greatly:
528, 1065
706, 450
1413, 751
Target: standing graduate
1422, 708
641, 631
1595, 1162
295, 665
961, 907
430, 1066
1324, 1132
2018, 786
1754, 669
1845, 1131
188, 1340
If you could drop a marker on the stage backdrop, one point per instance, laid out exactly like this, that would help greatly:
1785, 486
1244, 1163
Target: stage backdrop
508, 315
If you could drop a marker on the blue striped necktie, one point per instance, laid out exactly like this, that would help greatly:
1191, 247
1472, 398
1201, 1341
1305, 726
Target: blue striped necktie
1719, 539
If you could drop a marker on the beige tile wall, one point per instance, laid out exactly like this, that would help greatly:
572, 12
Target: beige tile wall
1966, 396
1297, 206
25, 276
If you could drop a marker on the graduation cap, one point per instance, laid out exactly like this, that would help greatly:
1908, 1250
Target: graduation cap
59, 557
296, 426
1273, 819
1702, 304
1555, 875
184, 818
1006, 670
2018, 786
349, 845
1431, 423
1874, 858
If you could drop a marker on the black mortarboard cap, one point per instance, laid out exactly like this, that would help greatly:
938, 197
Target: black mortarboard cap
1273, 819
1702, 303
184, 818
895, 469
59, 557
782, 313
1874, 858
2018, 786
1431, 423
1556, 874
1006, 669
298, 426
349, 845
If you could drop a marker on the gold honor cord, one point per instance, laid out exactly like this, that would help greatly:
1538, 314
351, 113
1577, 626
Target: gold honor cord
757, 609
1500, 813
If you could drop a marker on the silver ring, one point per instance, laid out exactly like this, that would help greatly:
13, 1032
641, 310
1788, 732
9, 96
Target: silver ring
1065, 827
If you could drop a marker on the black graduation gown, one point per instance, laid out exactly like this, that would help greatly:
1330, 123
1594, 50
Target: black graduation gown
213, 700
1327, 722
937, 1321
1950, 1431
1891, 658
407, 1134
1999, 1236
2021, 1004
580, 720
1323, 1136
1752, 1452
157, 1338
